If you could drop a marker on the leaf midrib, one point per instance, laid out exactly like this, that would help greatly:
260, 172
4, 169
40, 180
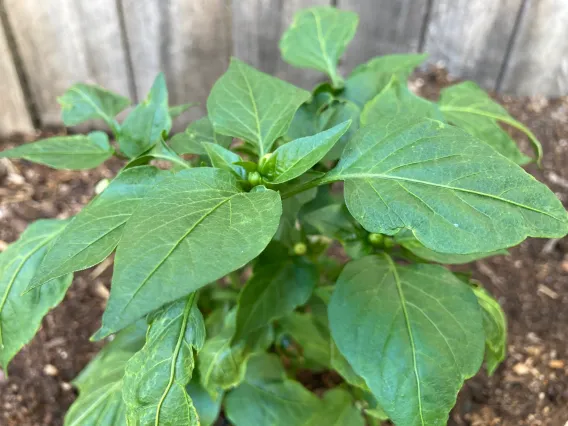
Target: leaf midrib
88, 99
348, 176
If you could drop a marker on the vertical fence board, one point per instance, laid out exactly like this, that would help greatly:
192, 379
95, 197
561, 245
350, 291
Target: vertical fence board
189, 40
14, 116
471, 37
257, 28
385, 27
539, 59
65, 41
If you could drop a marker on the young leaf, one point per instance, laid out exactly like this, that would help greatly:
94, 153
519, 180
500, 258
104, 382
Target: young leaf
155, 377
295, 158
467, 106
396, 99
419, 335
208, 408
94, 233
82, 102
267, 397
308, 333
367, 80
100, 383
190, 141
454, 192
407, 240
317, 38
65, 152
277, 287
337, 409
495, 326
160, 151
21, 314
222, 362
197, 224
178, 110
248, 104
224, 159
147, 122
312, 116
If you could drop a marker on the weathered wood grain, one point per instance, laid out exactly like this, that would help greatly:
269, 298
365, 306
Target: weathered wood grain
385, 26
14, 116
189, 40
65, 41
471, 37
257, 28
539, 59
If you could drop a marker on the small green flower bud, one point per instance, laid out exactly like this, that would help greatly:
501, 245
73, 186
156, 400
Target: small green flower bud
388, 243
300, 249
263, 160
254, 178
376, 239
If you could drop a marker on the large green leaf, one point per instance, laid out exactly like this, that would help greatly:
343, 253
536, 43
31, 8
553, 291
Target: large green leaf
82, 102
310, 335
367, 80
277, 287
222, 361
155, 378
454, 192
95, 232
190, 230
256, 107
295, 158
208, 408
267, 397
21, 314
495, 326
468, 106
65, 152
396, 99
100, 383
317, 38
418, 336
147, 122
190, 141
337, 409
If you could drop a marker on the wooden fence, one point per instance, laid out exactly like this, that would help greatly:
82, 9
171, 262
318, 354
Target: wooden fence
514, 46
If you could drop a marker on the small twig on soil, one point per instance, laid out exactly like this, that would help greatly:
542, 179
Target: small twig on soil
550, 246
557, 180
496, 280
547, 291
103, 266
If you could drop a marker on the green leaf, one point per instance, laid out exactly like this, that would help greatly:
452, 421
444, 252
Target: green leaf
21, 314
160, 151
396, 99
222, 363
147, 122
197, 224
338, 409
178, 110
310, 335
407, 240
100, 383
95, 232
65, 152
367, 80
317, 38
155, 377
468, 106
495, 326
208, 408
344, 369
295, 158
190, 141
267, 397
419, 335
256, 107
82, 102
312, 116
222, 158
455, 193
277, 287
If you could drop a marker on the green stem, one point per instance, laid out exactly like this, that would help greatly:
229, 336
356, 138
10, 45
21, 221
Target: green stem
308, 185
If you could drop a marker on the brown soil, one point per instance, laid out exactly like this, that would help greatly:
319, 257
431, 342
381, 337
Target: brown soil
530, 388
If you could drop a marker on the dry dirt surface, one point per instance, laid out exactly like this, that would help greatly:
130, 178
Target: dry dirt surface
530, 388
